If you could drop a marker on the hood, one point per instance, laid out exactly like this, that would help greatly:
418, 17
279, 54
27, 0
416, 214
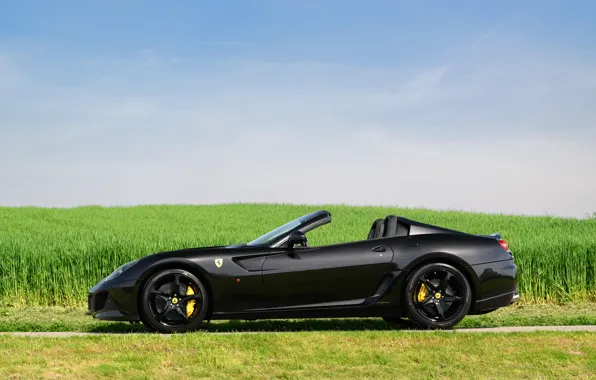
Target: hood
198, 250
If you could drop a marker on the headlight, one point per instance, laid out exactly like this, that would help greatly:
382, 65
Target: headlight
119, 270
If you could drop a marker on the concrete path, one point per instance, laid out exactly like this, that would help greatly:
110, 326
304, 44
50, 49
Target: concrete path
463, 330
65, 334
529, 329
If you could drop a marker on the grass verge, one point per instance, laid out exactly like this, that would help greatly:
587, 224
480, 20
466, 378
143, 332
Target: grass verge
74, 319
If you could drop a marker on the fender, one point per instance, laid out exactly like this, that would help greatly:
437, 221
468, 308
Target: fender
190, 265
394, 293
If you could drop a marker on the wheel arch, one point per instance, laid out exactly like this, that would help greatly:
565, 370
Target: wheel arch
443, 258
176, 264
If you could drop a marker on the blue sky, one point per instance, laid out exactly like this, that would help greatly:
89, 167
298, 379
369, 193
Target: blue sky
487, 106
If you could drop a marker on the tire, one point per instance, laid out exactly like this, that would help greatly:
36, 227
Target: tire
167, 301
444, 303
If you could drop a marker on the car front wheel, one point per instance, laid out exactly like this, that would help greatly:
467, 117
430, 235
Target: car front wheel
173, 300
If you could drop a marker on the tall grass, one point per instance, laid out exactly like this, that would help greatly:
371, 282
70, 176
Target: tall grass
53, 256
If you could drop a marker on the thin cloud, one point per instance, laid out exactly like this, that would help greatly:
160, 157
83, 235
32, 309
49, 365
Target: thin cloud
483, 133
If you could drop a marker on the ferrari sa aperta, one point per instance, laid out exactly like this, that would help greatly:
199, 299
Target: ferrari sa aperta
403, 269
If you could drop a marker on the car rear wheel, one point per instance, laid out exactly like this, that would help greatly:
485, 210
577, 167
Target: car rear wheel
438, 296
173, 300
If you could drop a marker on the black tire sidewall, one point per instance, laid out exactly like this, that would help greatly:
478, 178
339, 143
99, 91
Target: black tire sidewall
147, 316
411, 310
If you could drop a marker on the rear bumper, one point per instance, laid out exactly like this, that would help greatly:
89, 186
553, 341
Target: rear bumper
515, 298
497, 301
497, 285
113, 301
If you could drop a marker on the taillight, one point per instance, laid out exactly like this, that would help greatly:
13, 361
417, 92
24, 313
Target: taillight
504, 245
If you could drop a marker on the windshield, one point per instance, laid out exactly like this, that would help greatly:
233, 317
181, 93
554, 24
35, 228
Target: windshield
305, 223
270, 237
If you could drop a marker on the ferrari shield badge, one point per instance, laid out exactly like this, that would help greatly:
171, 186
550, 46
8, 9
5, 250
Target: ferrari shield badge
218, 262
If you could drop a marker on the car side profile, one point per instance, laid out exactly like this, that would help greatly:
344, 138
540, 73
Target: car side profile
431, 275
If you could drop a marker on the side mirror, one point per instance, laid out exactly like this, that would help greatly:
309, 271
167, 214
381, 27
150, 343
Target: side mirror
297, 238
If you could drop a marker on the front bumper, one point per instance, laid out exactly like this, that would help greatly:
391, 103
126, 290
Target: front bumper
113, 301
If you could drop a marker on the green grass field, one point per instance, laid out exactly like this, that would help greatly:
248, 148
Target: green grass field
303, 355
53, 256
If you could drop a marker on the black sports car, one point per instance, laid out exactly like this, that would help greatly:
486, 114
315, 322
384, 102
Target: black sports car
430, 275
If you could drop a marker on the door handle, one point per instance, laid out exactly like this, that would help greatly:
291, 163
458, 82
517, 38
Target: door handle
379, 248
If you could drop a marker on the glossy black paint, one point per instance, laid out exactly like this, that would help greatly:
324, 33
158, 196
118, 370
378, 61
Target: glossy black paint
357, 279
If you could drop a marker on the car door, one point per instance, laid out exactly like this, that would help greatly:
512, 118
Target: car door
334, 275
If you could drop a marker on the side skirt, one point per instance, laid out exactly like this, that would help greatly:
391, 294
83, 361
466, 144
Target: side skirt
338, 312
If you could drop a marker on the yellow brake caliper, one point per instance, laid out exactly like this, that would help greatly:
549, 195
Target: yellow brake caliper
422, 292
190, 305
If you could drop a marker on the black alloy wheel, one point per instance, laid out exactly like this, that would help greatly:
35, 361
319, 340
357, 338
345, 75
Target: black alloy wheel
173, 300
438, 296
